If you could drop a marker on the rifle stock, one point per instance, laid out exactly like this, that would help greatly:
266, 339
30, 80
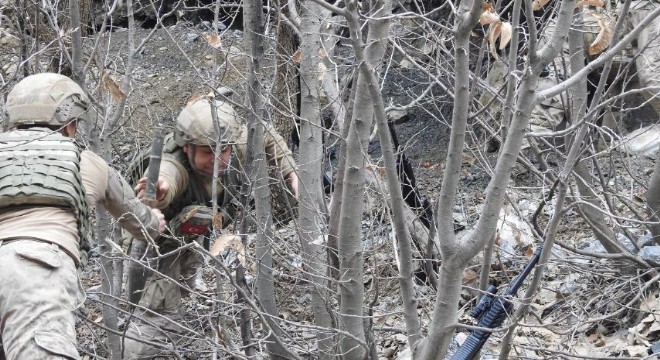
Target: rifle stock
491, 311
137, 274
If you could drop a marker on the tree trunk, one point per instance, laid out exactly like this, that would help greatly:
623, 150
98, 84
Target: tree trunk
286, 95
653, 201
394, 186
258, 170
76, 42
351, 259
108, 289
311, 215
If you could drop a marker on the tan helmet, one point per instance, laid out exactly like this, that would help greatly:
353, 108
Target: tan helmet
48, 99
194, 125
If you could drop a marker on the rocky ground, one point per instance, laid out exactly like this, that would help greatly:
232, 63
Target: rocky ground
182, 60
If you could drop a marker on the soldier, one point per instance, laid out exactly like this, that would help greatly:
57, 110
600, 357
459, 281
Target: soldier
186, 176
47, 185
648, 43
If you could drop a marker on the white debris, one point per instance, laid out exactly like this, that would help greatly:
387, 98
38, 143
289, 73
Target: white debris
644, 141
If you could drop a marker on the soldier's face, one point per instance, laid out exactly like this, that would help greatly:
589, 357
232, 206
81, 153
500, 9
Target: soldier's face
202, 158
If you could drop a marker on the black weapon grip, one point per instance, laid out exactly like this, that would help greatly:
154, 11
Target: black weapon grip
493, 318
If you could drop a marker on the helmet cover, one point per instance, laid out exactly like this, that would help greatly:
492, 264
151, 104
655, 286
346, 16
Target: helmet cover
195, 126
47, 99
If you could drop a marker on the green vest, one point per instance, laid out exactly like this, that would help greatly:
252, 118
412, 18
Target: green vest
39, 167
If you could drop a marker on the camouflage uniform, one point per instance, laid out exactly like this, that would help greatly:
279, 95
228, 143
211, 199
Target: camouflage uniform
648, 43
40, 235
161, 295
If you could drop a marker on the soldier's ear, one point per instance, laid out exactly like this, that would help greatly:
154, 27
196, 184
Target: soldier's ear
70, 129
185, 148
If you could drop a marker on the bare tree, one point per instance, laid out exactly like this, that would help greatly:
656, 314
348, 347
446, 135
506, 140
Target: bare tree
311, 215
457, 252
258, 170
348, 82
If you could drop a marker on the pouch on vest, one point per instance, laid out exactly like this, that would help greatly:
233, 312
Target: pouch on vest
195, 220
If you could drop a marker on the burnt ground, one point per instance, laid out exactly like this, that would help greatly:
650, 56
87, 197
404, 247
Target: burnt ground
165, 77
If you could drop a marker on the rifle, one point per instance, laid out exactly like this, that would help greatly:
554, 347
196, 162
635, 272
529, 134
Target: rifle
137, 274
492, 310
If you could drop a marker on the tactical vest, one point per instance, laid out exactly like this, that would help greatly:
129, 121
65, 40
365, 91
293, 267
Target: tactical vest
195, 193
39, 167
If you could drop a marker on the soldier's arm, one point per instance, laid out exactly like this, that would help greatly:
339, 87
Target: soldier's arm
278, 152
104, 185
173, 178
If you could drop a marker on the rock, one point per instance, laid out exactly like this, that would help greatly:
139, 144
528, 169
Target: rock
646, 239
8, 39
191, 37
406, 64
655, 348
305, 299
398, 116
650, 253
593, 245
626, 242
405, 354
514, 233
644, 141
569, 285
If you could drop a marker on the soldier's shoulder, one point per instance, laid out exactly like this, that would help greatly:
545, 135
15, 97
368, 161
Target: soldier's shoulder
89, 159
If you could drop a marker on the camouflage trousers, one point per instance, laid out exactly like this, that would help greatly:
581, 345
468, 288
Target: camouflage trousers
39, 291
155, 328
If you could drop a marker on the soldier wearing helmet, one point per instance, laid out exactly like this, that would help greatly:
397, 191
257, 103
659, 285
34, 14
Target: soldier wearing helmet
47, 185
185, 179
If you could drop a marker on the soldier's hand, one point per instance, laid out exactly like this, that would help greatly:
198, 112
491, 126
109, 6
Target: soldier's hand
162, 188
161, 220
292, 179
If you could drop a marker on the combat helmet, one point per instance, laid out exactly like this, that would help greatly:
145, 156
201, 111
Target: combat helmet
46, 99
195, 126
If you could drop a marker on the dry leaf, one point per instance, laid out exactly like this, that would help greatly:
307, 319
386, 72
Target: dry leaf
193, 98
583, 3
217, 220
212, 40
297, 56
488, 17
538, 4
603, 39
493, 34
229, 242
596, 339
110, 85
470, 277
529, 251
320, 240
505, 34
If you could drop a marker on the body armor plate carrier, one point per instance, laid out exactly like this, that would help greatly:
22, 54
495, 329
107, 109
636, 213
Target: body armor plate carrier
42, 168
